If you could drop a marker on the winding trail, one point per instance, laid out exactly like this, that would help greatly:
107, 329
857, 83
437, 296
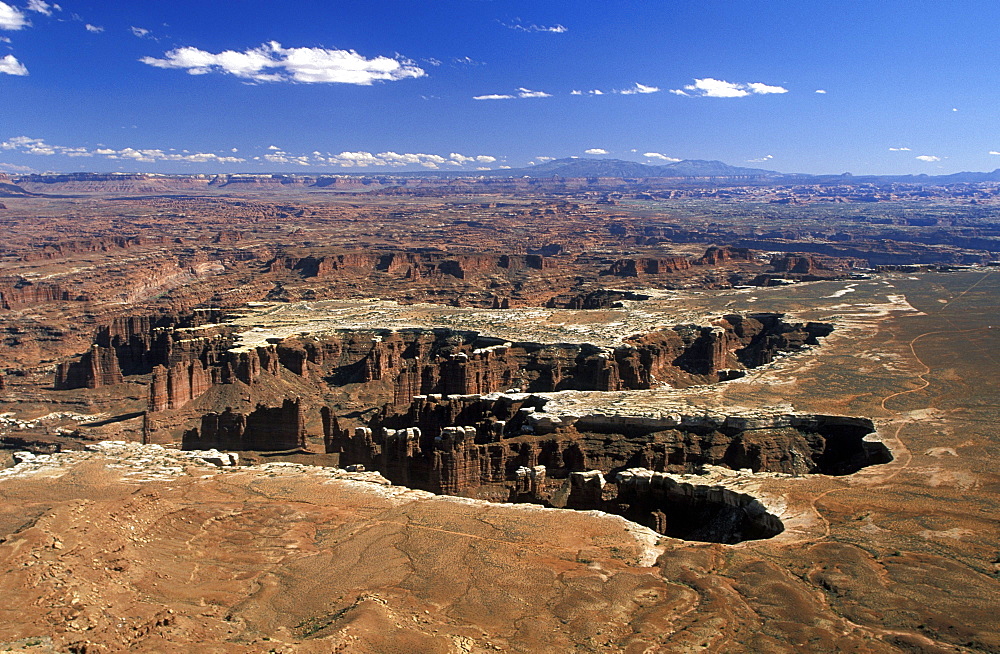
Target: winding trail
903, 422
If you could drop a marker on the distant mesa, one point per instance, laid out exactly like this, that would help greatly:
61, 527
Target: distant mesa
578, 171
8, 189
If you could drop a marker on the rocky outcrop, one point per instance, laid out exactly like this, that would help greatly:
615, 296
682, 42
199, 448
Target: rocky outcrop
692, 511
264, 429
450, 362
97, 367
474, 446
18, 292
174, 387
602, 299
408, 265
715, 256
646, 266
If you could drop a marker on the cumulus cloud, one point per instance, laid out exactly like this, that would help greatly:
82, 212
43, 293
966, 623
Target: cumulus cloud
927, 157
273, 155
14, 168
96, 29
527, 93
516, 24
765, 89
639, 89
823, 91
273, 63
709, 87
543, 159
11, 18
363, 159
141, 32
899, 149
42, 7
595, 151
766, 157
11, 66
493, 96
590, 92
28, 145
661, 157
994, 152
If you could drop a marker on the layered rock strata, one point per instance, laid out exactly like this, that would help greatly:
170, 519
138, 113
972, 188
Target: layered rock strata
266, 428
476, 446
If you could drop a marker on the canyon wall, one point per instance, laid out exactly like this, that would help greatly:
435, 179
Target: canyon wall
475, 446
266, 428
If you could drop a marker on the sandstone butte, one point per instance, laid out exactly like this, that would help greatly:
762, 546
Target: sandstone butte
224, 433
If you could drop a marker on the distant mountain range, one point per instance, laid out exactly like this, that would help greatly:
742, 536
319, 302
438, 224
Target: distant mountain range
577, 167
708, 171
593, 171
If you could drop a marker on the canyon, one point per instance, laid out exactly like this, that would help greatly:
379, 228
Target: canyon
297, 419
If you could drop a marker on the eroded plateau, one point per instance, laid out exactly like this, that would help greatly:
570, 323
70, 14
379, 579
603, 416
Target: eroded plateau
303, 421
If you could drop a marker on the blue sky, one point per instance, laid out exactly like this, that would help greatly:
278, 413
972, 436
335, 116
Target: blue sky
343, 86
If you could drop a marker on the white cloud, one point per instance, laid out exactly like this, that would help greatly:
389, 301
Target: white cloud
521, 93
761, 159
657, 155
709, 87
543, 159
516, 24
4, 39
11, 18
11, 66
928, 158
637, 89
595, 151
14, 168
42, 7
765, 89
275, 155
96, 29
899, 149
820, 91
141, 32
27, 145
272, 63
590, 92
994, 152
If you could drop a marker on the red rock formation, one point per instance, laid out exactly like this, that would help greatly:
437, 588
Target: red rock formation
19, 292
715, 256
173, 387
474, 446
96, 368
265, 429
646, 266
